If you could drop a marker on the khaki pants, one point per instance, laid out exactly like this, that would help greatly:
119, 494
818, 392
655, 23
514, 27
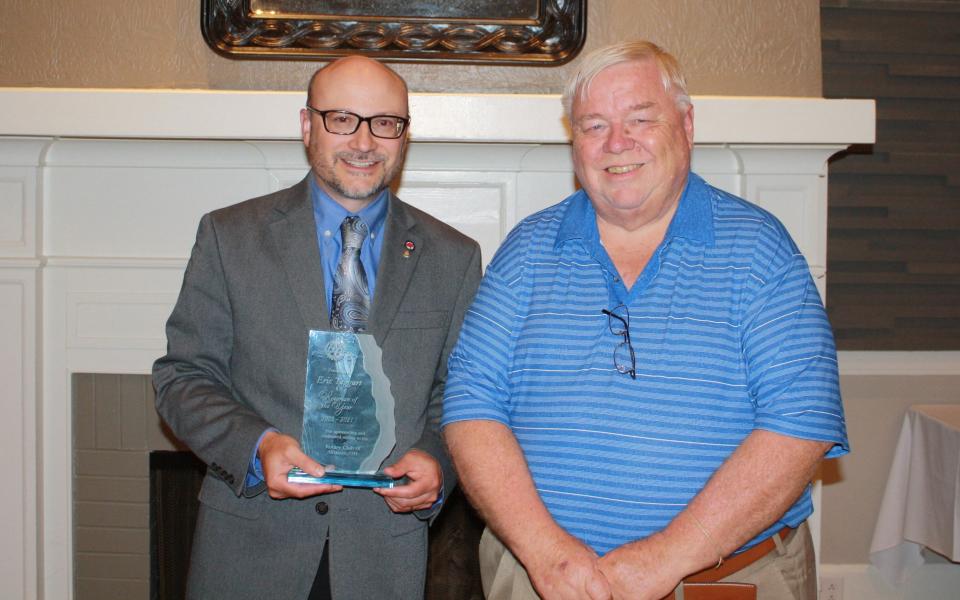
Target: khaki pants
787, 573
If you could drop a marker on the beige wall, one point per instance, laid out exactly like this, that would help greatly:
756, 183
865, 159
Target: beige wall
729, 47
854, 484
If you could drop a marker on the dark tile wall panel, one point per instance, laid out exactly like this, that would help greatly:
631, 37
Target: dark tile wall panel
894, 217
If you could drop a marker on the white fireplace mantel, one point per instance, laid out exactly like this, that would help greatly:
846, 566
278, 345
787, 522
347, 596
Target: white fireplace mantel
101, 191
518, 118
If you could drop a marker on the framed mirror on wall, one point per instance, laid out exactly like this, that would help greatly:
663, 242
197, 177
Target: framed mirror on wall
497, 32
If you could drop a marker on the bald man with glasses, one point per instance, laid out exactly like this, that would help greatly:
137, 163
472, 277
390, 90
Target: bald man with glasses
338, 251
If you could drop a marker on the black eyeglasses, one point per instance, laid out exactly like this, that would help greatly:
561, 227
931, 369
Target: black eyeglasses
621, 326
344, 122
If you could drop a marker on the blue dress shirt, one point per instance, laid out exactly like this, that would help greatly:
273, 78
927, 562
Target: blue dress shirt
328, 215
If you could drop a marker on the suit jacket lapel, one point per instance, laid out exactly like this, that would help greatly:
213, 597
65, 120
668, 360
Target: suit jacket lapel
294, 231
396, 269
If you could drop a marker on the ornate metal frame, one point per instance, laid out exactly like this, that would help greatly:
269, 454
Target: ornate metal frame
554, 37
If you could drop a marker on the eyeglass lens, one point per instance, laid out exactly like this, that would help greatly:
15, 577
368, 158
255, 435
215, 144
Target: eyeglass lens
624, 359
617, 324
345, 123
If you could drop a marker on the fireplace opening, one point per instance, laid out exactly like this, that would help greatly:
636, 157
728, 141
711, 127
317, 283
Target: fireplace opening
115, 429
175, 479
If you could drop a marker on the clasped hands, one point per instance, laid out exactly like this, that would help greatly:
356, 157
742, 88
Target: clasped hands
279, 453
572, 571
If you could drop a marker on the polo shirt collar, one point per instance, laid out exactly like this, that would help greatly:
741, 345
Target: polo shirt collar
693, 219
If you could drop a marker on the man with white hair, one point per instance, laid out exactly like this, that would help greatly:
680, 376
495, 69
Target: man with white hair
646, 381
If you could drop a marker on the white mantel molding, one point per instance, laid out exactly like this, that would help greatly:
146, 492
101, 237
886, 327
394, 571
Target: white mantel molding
202, 114
101, 190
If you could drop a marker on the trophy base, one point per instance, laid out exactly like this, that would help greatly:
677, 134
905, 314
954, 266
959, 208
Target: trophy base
358, 480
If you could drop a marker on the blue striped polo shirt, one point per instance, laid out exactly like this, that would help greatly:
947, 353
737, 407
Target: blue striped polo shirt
729, 334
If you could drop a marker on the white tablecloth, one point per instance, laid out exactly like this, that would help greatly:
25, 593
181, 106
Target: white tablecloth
921, 503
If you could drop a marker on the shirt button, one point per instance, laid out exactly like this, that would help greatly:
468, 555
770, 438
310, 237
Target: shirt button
322, 508
327, 233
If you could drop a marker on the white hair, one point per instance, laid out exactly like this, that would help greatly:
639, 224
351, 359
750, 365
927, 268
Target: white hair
578, 85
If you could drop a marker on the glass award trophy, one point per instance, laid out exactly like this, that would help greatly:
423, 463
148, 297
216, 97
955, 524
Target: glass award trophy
348, 421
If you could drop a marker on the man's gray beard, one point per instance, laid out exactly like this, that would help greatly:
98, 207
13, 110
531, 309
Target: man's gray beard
336, 185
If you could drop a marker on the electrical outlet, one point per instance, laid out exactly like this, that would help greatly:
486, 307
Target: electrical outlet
831, 587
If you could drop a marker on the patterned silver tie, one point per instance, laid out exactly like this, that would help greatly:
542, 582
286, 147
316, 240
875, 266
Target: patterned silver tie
351, 295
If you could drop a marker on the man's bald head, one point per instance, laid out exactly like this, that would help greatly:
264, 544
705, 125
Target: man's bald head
352, 66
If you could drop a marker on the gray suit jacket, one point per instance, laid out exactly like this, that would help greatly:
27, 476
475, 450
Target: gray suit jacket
236, 365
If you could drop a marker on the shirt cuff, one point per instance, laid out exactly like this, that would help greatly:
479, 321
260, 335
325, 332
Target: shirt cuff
254, 468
